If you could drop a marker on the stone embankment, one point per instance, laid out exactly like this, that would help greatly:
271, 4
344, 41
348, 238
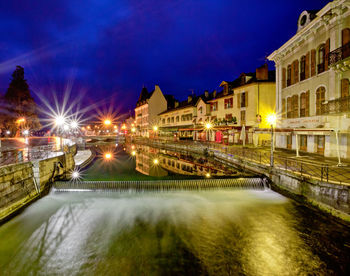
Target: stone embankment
22, 183
327, 187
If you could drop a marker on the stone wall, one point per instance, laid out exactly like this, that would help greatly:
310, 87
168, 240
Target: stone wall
22, 183
17, 187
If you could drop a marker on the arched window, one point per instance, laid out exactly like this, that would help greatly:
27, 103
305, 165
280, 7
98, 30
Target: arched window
304, 104
344, 94
289, 108
321, 59
320, 98
302, 68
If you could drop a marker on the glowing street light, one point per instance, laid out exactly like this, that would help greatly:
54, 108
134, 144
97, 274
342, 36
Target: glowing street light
271, 119
21, 120
8, 132
74, 124
75, 174
155, 128
155, 161
107, 122
133, 129
60, 120
26, 132
208, 126
207, 175
133, 153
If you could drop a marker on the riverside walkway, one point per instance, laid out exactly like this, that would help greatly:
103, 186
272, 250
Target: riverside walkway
307, 166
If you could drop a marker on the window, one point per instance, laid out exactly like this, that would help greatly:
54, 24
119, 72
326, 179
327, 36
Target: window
302, 68
304, 104
177, 119
214, 106
168, 120
321, 59
200, 110
320, 98
284, 108
228, 117
242, 116
163, 121
344, 102
228, 103
243, 99
289, 75
172, 119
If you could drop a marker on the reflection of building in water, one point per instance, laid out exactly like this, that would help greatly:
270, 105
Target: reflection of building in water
188, 165
145, 161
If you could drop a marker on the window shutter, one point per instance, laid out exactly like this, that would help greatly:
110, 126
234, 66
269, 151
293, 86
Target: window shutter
307, 104
345, 35
238, 100
313, 62
307, 65
283, 108
344, 88
284, 78
326, 54
296, 71
292, 74
246, 99
295, 106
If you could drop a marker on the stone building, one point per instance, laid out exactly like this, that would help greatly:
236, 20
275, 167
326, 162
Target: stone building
312, 91
148, 106
247, 101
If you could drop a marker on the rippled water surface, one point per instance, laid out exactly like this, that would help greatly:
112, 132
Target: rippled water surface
221, 232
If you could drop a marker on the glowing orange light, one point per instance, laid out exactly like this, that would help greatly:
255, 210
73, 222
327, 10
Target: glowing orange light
107, 122
88, 127
20, 120
108, 156
124, 127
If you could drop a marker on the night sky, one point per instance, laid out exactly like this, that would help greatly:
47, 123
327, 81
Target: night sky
107, 50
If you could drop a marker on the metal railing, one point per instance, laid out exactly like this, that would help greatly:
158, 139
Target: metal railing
339, 54
336, 106
323, 172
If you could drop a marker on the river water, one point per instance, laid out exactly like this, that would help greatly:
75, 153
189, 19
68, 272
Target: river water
217, 232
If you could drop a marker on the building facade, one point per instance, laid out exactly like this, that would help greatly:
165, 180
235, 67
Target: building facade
312, 91
247, 101
148, 106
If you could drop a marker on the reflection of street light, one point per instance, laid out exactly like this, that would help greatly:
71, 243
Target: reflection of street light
108, 156
26, 132
271, 119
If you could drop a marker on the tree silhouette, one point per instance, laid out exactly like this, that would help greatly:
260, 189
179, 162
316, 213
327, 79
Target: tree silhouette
19, 103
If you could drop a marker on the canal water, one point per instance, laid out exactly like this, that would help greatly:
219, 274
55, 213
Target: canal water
217, 232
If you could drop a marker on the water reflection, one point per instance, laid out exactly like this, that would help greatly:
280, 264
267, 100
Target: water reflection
176, 163
185, 233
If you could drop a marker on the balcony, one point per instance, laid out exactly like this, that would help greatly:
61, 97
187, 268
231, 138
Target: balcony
336, 106
339, 54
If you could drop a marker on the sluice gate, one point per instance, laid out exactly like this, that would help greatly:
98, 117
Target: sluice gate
162, 185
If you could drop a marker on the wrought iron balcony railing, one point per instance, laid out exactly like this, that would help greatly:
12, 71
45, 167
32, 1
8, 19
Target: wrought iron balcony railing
339, 54
336, 106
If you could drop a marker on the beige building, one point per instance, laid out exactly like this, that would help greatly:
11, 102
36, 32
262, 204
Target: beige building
148, 106
246, 101
312, 91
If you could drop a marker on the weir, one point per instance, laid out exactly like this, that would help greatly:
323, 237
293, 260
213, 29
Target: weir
161, 185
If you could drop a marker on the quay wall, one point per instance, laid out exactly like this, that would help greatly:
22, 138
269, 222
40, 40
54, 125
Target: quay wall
329, 197
23, 183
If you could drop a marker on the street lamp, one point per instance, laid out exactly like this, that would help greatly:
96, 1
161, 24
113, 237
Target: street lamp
208, 127
271, 119
107, 122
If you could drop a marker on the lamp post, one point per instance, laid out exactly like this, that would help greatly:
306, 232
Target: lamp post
271, 119
208, 127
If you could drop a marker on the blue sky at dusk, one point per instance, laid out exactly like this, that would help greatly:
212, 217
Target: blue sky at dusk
109, 49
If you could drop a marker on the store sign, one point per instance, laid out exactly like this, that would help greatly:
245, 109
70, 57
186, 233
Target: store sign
306, 122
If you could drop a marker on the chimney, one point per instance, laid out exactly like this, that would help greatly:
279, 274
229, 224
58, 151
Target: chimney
189, 99
176, 104
206, 94
262, 72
